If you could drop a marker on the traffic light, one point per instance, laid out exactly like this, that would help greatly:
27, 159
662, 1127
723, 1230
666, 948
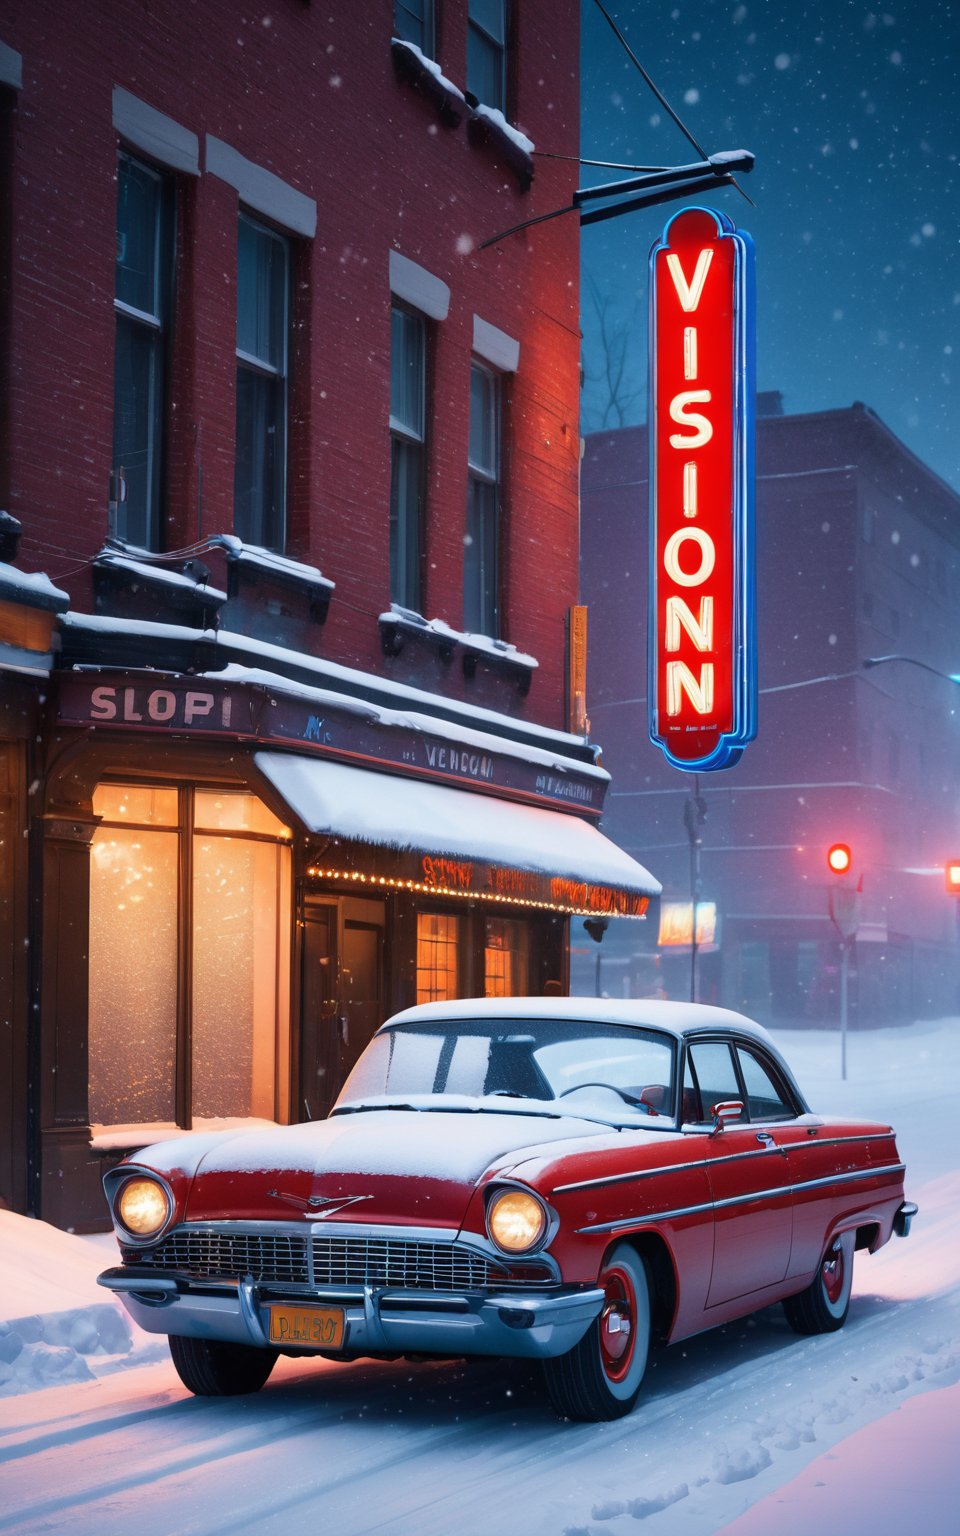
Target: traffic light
953, 876
839, 859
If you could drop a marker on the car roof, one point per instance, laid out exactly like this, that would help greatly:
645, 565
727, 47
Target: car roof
682, 1020
678, 1019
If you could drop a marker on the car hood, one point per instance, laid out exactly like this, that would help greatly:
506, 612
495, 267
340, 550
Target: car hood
380, 1165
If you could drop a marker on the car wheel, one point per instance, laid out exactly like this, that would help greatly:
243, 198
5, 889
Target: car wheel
209, 1368
823, 1306
600, 1377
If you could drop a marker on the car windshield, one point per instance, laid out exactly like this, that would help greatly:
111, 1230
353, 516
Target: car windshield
597, 1070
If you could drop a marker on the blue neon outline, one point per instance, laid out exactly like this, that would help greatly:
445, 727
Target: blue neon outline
729, 748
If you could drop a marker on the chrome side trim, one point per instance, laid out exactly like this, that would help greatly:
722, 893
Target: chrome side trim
751, 1199
714, 1162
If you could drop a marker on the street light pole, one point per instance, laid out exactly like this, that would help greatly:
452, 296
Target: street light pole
694, 815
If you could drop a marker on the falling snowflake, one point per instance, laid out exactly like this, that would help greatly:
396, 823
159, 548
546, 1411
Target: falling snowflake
782, 61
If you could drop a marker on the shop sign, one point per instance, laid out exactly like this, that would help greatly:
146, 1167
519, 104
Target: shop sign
456, 877
676, 923
352, 731
702, 611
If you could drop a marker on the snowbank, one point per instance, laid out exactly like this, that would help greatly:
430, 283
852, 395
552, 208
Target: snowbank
53, 1315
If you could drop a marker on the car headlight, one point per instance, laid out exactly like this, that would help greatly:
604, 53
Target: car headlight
516, 1221
142, 1206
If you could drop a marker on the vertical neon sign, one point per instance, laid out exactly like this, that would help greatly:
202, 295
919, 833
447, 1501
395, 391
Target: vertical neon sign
702, 649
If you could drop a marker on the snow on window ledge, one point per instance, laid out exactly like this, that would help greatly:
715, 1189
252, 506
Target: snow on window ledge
489, 126
425, 75
401, 624
130, 1138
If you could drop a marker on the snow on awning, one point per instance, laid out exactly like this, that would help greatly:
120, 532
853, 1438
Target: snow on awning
457, 843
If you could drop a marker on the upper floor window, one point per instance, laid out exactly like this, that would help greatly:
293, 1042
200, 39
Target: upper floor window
407, 453
144, 264
415, 22
263, 289
487, 52
481, 576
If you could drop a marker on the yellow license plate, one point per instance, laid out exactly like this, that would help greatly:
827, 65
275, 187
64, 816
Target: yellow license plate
307, 1327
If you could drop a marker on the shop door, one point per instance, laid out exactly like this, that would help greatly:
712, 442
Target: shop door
341, 994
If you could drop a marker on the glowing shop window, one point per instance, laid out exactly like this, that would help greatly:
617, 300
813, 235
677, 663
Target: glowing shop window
136, 805
438, 949
241, 961
234, 970
229, 811
505, 959
133, 975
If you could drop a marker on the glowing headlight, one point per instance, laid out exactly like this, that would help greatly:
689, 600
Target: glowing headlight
142, 1206
516, 1221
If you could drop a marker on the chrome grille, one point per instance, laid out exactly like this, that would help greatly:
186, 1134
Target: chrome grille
212, 1253
413, 1266
226, 1255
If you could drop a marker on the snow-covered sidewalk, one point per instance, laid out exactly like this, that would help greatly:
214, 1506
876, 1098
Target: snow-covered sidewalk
893, 1475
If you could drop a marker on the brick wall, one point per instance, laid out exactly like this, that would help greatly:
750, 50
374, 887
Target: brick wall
308, 92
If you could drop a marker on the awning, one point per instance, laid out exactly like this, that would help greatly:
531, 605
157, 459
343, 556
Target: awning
454, 842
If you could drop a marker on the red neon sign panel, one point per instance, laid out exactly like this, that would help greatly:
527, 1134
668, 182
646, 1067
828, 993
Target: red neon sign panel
702, 610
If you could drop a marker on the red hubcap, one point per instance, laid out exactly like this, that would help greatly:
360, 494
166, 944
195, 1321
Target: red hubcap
617, 1324
832, 1273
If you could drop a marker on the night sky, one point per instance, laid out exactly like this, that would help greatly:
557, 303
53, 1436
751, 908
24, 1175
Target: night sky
852, 113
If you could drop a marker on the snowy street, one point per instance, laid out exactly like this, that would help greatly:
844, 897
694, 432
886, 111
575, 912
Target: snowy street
725, 1420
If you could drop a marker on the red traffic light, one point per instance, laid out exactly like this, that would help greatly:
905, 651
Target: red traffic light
953, 876
839, 858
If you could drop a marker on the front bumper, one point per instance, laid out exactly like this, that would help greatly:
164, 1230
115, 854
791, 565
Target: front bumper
379, 1320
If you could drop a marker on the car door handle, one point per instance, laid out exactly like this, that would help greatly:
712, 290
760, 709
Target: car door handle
766, 1140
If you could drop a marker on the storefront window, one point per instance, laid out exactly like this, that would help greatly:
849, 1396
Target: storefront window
133, 973
230, 856
505, 968
438, 956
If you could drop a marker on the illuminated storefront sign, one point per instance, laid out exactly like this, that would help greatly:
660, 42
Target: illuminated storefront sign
166, 703
676, 923
702, 653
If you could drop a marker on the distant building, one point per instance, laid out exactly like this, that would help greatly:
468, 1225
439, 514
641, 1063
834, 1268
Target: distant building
284, 735
858, 557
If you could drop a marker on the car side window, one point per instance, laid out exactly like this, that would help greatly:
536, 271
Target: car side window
690, 1106
716, 1075
764, 1099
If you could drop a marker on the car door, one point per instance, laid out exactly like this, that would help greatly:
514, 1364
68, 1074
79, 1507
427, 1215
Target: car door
747, 1166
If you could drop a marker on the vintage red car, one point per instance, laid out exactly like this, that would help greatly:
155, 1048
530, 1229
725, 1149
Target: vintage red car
568, 1179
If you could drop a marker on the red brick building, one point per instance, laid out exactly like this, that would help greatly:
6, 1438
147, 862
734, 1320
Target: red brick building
858, 557
284, 731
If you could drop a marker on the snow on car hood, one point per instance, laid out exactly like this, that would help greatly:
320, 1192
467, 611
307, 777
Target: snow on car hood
390, 1163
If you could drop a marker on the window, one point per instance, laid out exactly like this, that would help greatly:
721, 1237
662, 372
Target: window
144, 262
263, 284
219, 860
407, 454
505, 958
487, 52
481, 595
438, 957
764, 1099
414, 21
716, 1076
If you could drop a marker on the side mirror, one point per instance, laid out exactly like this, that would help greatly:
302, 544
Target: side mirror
729, 1109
